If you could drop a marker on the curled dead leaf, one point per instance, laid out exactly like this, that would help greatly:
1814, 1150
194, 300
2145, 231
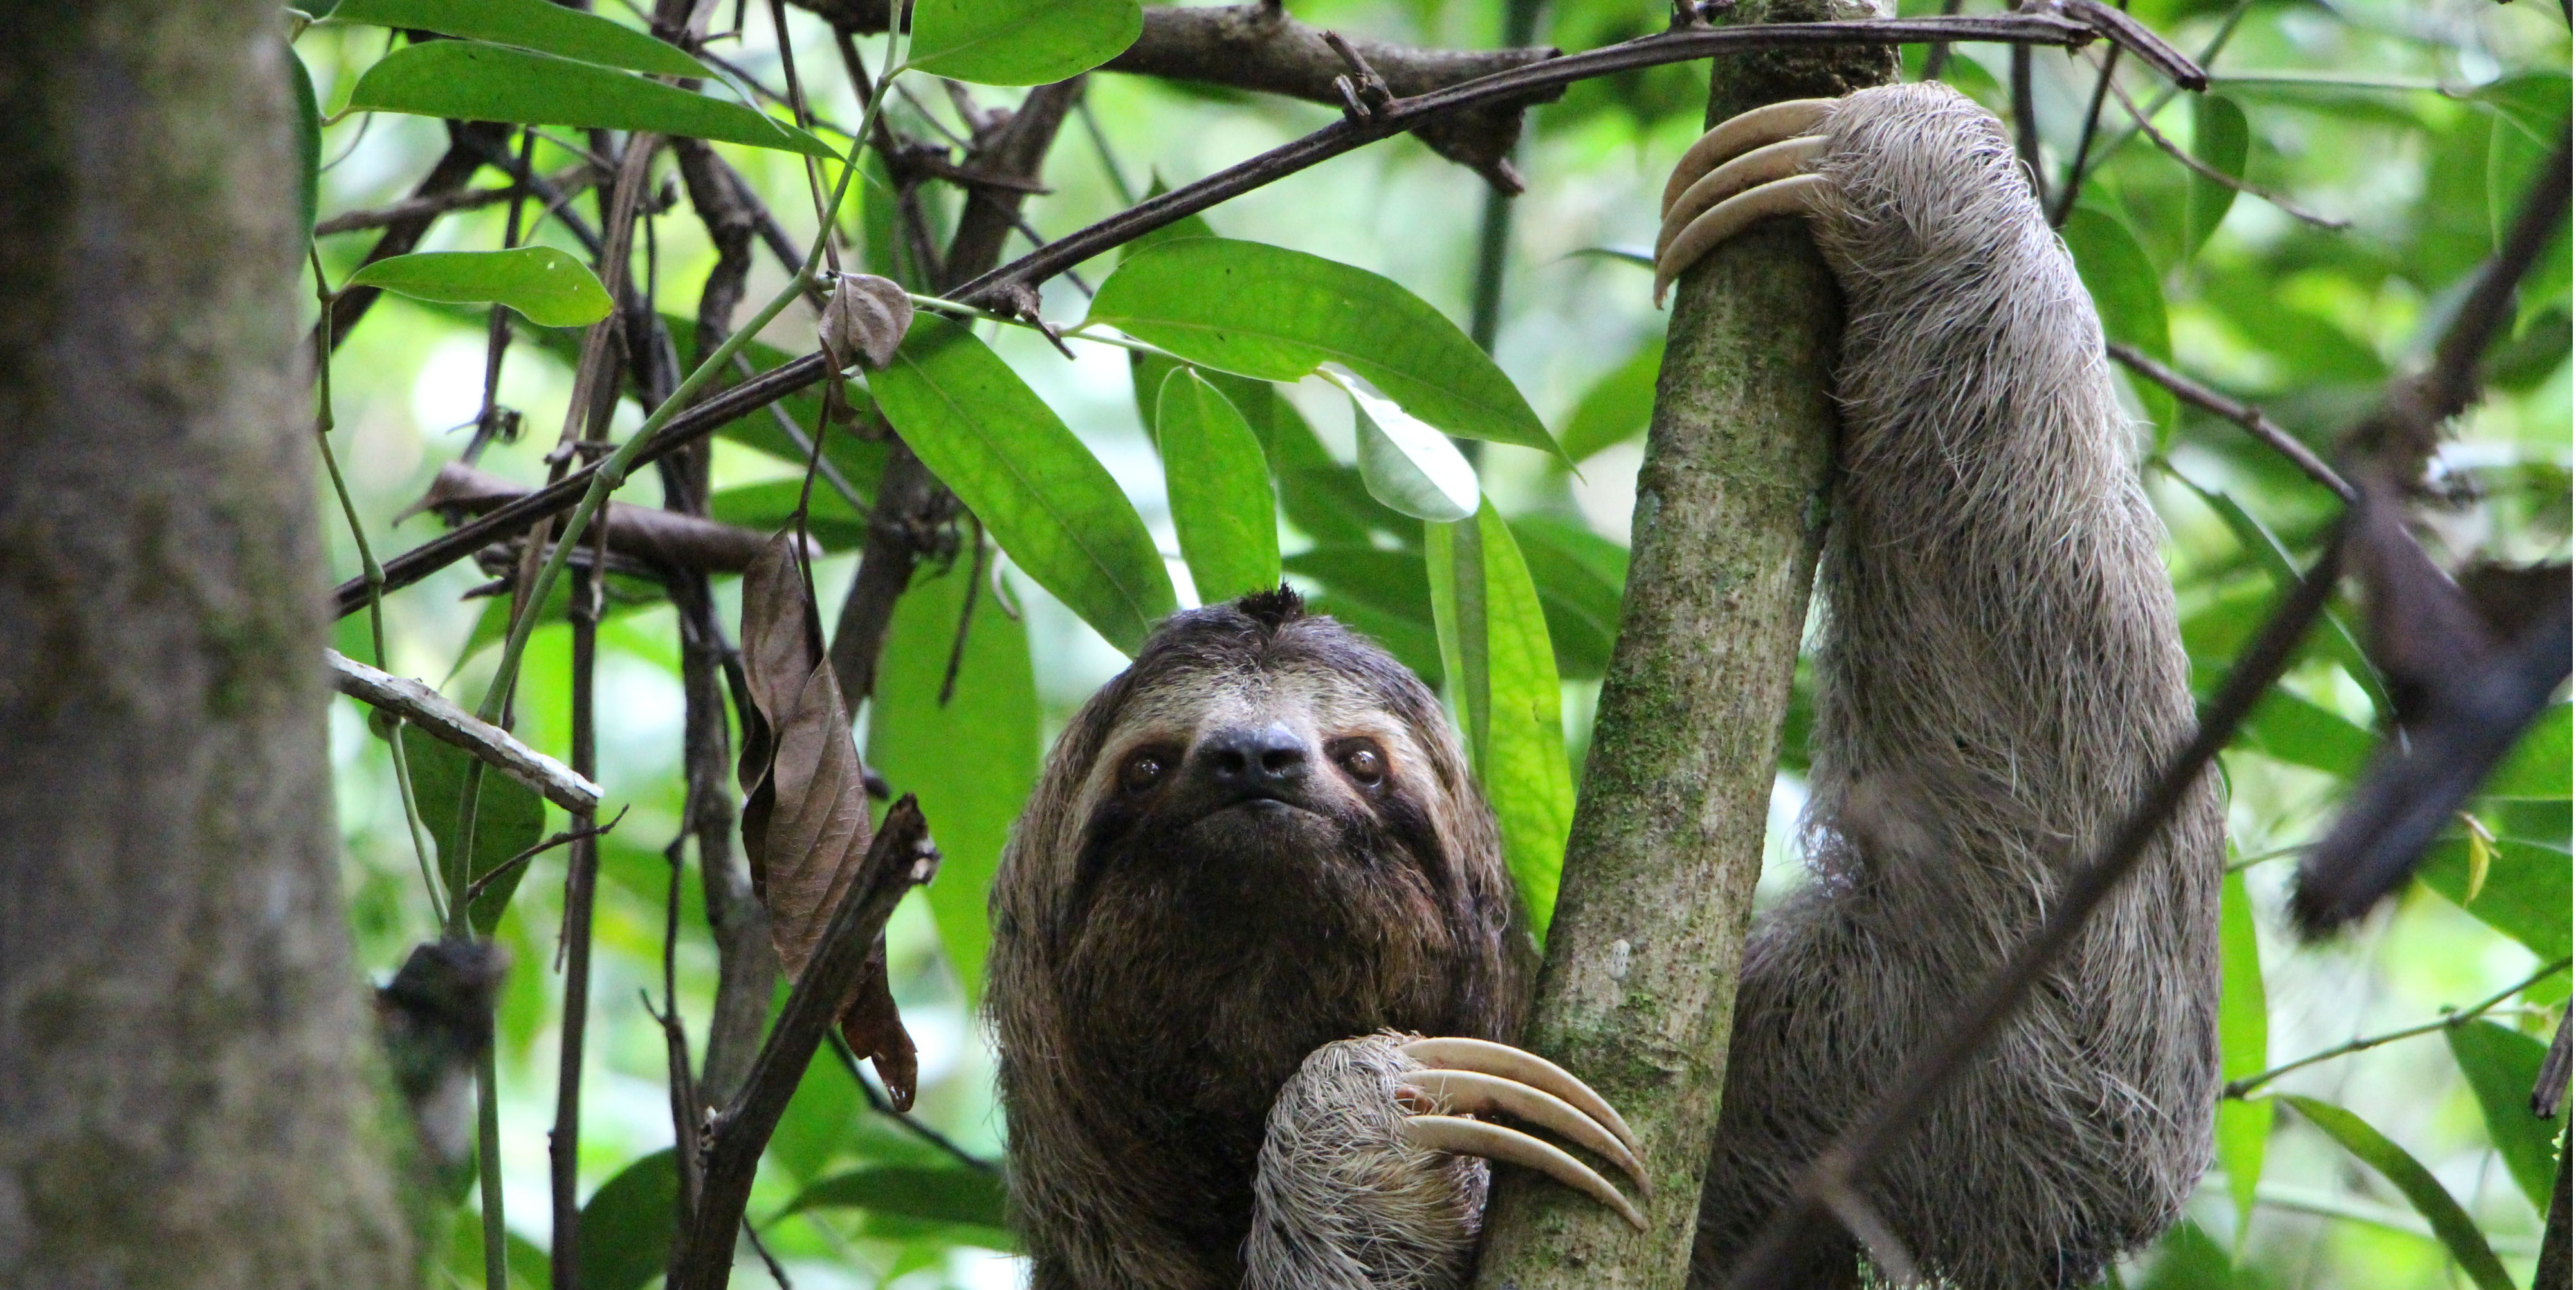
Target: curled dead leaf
866, 318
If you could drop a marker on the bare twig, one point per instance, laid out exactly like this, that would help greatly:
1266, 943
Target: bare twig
2212, 173
877, 1102
2243, 414
2449, 1021
570, 180
432, 712
2084, 143
474, 890
2550, 1089
2026, 125
663, 538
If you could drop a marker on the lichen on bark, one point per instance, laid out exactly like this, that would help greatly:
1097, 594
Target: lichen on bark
1638, 989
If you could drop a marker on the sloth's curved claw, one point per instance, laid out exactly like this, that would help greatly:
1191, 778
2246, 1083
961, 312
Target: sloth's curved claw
1742, 133
1457, 1092
1763, 165
1507, 1062
1792, 196
1467, 1137
1747, 168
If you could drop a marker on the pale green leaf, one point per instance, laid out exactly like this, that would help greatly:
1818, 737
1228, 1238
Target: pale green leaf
1409, 466
2244, 1047
1219, 484
509, 817
2451, 1224
1020, 42
2538, 767
551, 288
533, 24
473, 81
2502, 1064
2218, 141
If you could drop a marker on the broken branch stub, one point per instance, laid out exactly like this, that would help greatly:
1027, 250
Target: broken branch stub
805, 819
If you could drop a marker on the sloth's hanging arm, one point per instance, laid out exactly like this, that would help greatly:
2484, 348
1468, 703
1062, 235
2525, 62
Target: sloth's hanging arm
1638, 991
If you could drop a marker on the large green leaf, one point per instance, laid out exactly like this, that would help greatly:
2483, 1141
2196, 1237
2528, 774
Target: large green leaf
2126, 292
1045, 498
478, 82
626, 1225
1617, 406
2291, 729
1407, 465
967, 1198
1381, 594
2218, 141
509, 818
2525, 895
2244, 1047
1502, 675
534, 24
2451, 1224
769, 505
308, 142
1219, 483
1278, 314
1020, 42
551, 288
973, 759
2502, 1065
1581, 576
2539, 765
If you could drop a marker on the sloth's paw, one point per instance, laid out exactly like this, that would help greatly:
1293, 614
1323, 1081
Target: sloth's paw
1749, 168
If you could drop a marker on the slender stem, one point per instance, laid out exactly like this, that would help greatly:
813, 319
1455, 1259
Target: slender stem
1937, 56
2240, 1088
2084, 143
2026, 124
487, 1162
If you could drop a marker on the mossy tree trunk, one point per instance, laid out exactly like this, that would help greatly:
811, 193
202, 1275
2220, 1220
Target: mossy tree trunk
186, 1092
1638, 989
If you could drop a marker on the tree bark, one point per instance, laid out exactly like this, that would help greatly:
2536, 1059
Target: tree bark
188, 1095
1638, 990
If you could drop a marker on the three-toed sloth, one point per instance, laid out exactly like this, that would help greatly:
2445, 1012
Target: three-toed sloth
1257, 873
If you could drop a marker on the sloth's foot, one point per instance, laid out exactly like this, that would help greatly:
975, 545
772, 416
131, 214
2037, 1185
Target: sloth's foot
1460, 1078
1749, 168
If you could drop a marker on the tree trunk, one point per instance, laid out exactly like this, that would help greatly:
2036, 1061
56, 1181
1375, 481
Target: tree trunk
1638, 989
188, 1095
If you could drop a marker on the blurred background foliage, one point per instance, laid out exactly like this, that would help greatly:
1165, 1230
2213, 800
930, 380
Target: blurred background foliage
2413, 125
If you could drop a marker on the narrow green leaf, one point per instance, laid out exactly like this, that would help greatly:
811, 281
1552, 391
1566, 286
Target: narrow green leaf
2244, 1048
1502, 672
1581, 576
1278, 314
1219, 484
1384, 595
2538, 766
1407, 465
479, 82
2218, 141
1323, 498
626, 1225
1020, 42
972, 760
1617, 406
510, 817
551, 288
1046, 499
2291, 729
771, 505
2502, 1065
532, 24
2126, 292
2333, 637
2451, 1224
308, 142
2526, 894
965, 1196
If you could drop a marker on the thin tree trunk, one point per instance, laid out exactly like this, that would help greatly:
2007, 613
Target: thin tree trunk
1638, 990
188, 1095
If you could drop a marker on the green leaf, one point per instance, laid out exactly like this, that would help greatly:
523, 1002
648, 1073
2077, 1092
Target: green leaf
510, 817
1384, 595
2244, 1047
2451, 1224
1020, 42
2218, 141
479, 82
2293, 730
626, 1225
1046, 499
2538, 767
1219, 484
529, 1269
1502, 674
1581, 576
2502, 1065
2334, 639
964, 1196
551, 288
2525, 896
972, 760
308, 142
1617, 406
2126, 292
1410, 467
770, 505
1278, 314
532, 24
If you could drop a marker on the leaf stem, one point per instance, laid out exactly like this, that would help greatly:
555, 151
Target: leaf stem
2240, 1088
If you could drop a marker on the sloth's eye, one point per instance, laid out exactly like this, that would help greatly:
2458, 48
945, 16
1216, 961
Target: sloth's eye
1364, 763
1142, 771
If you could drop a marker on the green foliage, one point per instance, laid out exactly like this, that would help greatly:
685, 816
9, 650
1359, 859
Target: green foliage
2451, 1224
626, 1226
1020, 42
308, 142
2244, 1046
2503, 1066
1220, 489
530, 24
2126, 293
967, 1199
551, 288
2218, 141
2525, 895
479, 82
1617, 406
509, 817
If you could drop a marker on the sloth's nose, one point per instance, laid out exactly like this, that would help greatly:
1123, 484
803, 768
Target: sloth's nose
1253, 761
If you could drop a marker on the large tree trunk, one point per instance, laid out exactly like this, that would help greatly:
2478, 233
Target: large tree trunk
1638, 992
186, 1092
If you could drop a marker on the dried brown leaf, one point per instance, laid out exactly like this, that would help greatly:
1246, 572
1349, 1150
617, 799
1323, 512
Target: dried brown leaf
866, 318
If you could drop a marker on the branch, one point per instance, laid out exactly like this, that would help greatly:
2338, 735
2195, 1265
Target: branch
570, 180
2239, 1088
899, 859
2244, 414
428, 709
651, 534
2209, 172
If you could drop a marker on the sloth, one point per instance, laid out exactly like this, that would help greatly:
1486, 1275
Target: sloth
1256, 959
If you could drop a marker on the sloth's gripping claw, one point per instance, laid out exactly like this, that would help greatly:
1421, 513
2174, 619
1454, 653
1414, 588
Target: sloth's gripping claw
1463, 1077
1749, 168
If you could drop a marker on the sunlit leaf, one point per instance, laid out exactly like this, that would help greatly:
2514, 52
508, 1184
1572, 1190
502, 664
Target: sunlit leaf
2218, 141
1219, 484
1020, 42
2126, 292
473, 81
509, 817
973, 759
533, 24
1617, 406
2244, 1047
2502, 1064
2526, 895
2291, 729
551, 288
2451, 1224
1409, 466
1278, 314
1040, 492
1502, 676
626, 1225
2332, 636
964, 1196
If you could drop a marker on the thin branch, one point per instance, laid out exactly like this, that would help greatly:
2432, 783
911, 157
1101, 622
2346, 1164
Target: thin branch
1938, 56
426, 708
2214, 174
2084, 143
474, 890
877, 1102
2026, 125
572, 180
2447, 390
2450, 1021
2243, 414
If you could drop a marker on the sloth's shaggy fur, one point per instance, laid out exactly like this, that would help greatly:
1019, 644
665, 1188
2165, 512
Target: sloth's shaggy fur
1177, 982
